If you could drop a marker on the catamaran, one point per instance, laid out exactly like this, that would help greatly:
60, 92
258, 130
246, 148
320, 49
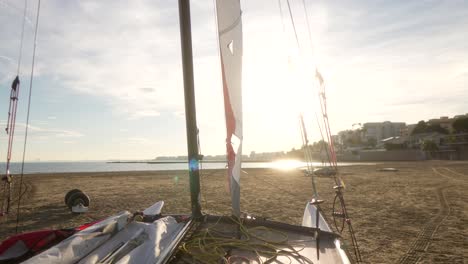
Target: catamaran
153, 237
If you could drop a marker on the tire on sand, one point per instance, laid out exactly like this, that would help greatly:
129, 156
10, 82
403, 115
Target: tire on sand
70, 194
77, 198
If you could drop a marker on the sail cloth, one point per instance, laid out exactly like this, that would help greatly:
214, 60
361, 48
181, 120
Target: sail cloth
230, 44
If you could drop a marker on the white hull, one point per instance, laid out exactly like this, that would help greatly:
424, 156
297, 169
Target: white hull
309, 220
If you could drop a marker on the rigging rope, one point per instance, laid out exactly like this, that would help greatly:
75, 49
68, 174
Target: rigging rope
294, 26
202, 176
326, 125
325, 132
308, 156
308, 25
22, 37
333, 162
323, 107
27, 115
323, 139
11, 122
281, 14
10, 130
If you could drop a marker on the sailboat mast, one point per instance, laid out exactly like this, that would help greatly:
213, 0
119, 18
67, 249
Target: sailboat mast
190, 114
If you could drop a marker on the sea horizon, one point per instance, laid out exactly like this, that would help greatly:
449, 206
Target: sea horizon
38, 167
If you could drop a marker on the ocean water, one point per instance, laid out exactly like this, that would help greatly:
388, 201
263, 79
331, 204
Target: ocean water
103, 166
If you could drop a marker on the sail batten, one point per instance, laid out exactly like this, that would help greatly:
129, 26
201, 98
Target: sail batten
229, 18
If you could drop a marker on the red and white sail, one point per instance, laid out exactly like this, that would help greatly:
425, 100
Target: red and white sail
230, 43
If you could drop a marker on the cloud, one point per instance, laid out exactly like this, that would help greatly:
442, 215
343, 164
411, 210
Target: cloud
428, 99
109, 54
143, 113
65, 133
147, 89
105, 50
43, 132
5, 58
138, 139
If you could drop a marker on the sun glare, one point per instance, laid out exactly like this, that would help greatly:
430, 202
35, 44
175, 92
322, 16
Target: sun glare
287, 164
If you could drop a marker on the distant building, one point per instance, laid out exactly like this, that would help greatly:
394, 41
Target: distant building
417, 141
350, 137
394, 140
266, 156
458, 116
408, 130
443, 121
383, 130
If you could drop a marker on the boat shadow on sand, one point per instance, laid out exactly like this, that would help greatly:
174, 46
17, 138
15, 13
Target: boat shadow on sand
43, 217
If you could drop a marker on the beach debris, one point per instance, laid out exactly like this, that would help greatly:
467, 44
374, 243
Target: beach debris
388, 169
77, 201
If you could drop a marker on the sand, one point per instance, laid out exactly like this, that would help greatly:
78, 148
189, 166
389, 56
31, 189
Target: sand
419, 212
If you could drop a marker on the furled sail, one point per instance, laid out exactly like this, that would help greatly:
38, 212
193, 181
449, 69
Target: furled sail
230, 44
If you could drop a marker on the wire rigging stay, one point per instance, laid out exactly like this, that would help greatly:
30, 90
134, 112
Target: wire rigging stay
293, 24
20, 194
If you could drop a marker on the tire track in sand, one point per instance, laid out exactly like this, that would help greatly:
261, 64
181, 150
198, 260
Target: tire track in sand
419, 247
458, 174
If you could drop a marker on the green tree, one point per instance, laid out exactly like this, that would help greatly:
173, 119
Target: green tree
295, 153
436, 128
372, 142
460, 125
421, 127
429, 145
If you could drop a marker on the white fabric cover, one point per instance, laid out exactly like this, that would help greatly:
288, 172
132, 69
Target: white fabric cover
72, 249
91, 246
161, 234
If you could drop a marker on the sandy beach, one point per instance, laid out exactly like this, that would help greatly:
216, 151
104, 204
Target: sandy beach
419, 211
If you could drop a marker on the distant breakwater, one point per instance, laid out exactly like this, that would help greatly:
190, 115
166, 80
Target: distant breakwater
183, 161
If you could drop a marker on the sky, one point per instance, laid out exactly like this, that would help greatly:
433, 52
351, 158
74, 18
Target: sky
108, 78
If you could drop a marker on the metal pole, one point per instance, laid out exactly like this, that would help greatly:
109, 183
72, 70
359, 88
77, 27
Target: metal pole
190, 114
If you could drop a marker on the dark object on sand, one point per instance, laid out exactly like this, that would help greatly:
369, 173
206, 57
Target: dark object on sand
67, 196
325, 171
77, 201
388, 169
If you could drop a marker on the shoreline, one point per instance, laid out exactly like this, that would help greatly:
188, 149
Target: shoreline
132, 170
102, 166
